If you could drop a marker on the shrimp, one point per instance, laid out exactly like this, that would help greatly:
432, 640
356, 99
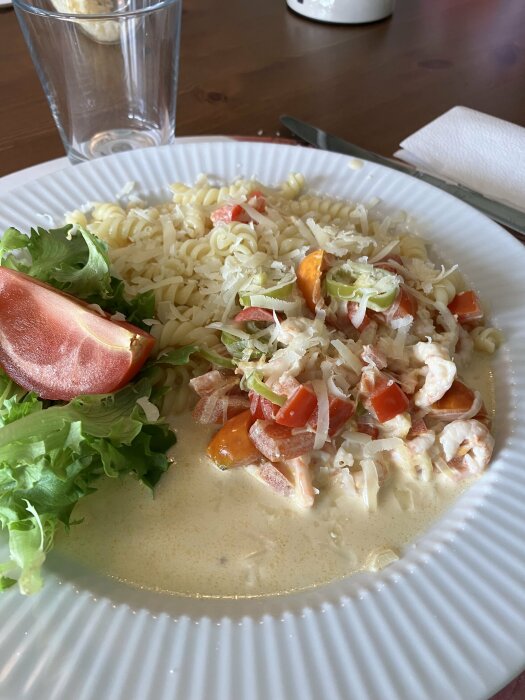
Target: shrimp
467, 445
419, 447
304, 490
441, 372
399, 426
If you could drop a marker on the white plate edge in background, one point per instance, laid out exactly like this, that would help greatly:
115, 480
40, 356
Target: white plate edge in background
448, 620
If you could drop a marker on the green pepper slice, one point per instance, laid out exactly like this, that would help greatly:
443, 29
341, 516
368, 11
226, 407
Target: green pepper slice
349, 281
245, 297
255, 383
237, 347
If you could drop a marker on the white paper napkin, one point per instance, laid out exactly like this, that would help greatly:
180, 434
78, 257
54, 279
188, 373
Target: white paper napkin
473, 149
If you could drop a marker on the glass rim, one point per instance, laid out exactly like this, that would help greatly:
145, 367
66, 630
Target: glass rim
119, 14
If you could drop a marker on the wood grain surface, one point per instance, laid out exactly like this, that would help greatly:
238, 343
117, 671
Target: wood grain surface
240, 69
244, 65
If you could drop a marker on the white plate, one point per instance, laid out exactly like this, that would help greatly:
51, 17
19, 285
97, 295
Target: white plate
446, 621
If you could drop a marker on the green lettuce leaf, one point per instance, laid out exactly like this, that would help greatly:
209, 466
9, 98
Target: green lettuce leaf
51, 457
75, 261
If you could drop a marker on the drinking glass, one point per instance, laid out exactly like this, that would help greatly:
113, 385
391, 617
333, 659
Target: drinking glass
109, 69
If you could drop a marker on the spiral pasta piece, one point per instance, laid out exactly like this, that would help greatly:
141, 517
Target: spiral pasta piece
487, 339
413, 247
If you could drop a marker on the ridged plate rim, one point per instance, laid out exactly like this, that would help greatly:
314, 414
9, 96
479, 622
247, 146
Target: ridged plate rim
447, 620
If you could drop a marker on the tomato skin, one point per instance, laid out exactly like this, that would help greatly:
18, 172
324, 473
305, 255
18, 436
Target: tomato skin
388, 402
309, 274
298, 408
231, 446
466, 307
59, 347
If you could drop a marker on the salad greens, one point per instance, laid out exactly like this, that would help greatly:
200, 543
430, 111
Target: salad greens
75, 261
51, 453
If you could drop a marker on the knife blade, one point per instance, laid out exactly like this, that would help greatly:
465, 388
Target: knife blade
497, 211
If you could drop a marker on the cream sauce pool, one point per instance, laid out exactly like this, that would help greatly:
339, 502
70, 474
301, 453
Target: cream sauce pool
211, 533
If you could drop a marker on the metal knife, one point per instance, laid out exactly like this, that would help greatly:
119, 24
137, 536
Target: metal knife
501, 213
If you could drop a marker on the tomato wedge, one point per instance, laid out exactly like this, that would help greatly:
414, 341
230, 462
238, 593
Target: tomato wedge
298, 408
466, 307
232, 446
58, 347
309, 274
388, 402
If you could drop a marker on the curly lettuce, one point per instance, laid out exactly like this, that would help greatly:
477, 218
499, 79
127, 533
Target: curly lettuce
52, 454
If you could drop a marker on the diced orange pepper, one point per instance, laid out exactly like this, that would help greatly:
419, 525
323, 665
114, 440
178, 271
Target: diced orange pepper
232, 446
466, 307
309, 275
458, 398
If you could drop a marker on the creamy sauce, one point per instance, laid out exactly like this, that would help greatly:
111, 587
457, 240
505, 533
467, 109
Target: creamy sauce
213, 533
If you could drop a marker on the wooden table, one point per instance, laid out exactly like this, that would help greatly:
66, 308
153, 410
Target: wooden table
372, 84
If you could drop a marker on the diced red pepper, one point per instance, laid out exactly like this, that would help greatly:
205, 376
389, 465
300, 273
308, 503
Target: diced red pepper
206, 384
260, 407
298, 408
339, 413
372, 381
235, 212
277, 442
232, 445
418, 427
257, 200
388, 402
229, 213
211, 409
367, 429
466, 307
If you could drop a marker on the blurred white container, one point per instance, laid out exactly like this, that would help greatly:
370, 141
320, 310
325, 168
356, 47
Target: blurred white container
343, 11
